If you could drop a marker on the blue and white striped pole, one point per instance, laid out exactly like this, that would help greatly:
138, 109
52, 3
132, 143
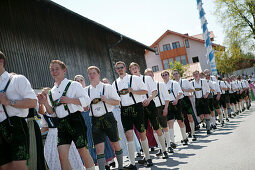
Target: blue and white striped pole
208, 43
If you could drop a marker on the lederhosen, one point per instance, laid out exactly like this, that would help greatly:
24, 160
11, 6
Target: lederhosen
238, 94
210, 99
174, 111
72, 127
151, 113
104, 125
233, 96
14, 137
186, 103
201, 103
162, 119
133, 114
216, 103
244, 94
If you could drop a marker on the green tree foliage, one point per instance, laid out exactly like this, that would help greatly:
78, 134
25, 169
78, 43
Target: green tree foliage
178, 66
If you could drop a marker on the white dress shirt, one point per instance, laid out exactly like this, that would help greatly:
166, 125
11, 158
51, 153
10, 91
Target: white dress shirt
223, 84
216, 88
162, 93
174, 88
75, 91
96, 92
205, 87
150, 84
124, 83
19, 89
234, 87
185, 84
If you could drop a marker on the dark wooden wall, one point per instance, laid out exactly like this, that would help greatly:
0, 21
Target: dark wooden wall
33, 32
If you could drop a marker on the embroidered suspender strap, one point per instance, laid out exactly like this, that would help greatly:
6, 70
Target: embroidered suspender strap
172, 89
219, 86
159, 94
131, 94
104, 102
117, 90
195, 90
55, 104
91, 109
201, 88
181, 87
5, 110
144, 83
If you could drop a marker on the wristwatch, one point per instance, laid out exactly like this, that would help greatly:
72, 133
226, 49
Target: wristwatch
13, 103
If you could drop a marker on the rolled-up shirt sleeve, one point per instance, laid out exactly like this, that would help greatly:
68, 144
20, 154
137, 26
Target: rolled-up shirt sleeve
23, 87
82, 95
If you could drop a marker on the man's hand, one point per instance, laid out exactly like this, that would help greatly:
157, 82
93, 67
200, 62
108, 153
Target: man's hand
218, 98
66, 100
165, 111
146, 102
175, 102
86, 108
103, 98
42, 99
4, 100
205, 96
130, 90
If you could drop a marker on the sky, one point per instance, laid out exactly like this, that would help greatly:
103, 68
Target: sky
146, 20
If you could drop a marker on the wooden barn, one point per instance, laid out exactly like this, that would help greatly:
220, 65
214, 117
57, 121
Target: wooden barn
33, 32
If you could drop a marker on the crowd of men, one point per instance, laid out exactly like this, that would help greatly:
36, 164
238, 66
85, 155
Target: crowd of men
142, 101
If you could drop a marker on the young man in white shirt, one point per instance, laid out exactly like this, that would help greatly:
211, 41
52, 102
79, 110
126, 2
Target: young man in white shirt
201, 93
225, 97
68, 99
174, 108
187, 89
239, 93
131, 90
16, 96
103, 99
150, 110
233, 95
245, 95
161, 102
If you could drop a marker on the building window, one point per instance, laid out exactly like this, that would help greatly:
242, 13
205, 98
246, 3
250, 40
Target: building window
167, 62
184, 60
156, 50
178, 58
195, 59
166, 47
187, 43
176, 45
155, 68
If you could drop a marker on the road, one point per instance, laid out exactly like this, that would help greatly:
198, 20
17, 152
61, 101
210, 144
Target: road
230, 147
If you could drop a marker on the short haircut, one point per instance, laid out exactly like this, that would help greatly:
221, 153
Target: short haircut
3, 57
81, 76
196, 71
120, 62
176, 70
61, 63
148, 70
202, 73
133, 64
94, 67
106, 80
164, 71
207, 70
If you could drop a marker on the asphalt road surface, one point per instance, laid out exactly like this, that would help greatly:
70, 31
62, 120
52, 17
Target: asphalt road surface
231, 147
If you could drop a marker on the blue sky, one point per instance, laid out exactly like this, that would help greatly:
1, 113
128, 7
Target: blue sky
146, 20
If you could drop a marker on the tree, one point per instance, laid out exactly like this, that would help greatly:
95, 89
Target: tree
237, 16
178, 66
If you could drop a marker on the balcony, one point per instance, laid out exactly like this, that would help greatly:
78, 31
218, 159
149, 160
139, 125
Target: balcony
173, 53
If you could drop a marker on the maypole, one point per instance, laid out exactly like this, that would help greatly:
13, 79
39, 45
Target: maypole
208, 44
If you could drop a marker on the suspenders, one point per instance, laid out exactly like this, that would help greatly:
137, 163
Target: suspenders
56, 103
144, 83
130, 83
159, 94
102, 101
172, 85
3, 91
201, 88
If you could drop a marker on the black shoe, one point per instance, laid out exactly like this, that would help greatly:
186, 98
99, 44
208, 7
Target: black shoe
142, 161
170, 150
132, 167
227, 119
214, 127
165, 155
222, 124
208, 132
189, 135
185, 141
243, 109
197, 128
159, 153
107, 167
203, 125
138, 155
152, 149
113, 164
194, 138
149, 163
173, 145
